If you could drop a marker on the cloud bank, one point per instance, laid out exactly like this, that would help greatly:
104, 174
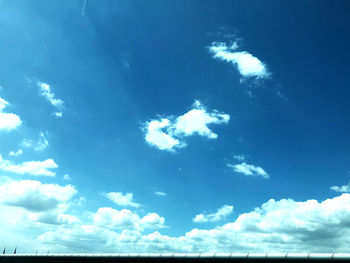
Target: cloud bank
279, 226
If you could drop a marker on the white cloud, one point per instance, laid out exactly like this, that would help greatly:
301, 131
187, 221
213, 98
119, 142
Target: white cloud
31, 167
196, 121
165, 134
46, 92
284, 225
27, 143
221, 214
41, 144
239, 157
66, 177
3, 104
156, 136
341, 189
160, 193
54, 218
122, 199
34, 195
246, 63
126, 219
16, 153
8, 121
151, 220
59, 114
115, 219
28, 207
279, 226
249, 169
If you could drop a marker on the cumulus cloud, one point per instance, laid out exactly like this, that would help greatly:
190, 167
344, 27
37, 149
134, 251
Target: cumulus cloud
196, 121
221, 214
122, 199
31, 167
286, 225
34, 195
159, 193
16, 153
35, 204
169, 133
157, 135
279, 226
126, 219
46, 92
41, 144
341, 189
246, 63
8, 121
249, 170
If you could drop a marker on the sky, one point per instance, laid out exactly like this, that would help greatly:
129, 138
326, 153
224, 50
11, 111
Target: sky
174, 126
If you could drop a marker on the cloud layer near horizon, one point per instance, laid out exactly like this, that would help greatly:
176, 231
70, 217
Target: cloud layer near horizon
279, 226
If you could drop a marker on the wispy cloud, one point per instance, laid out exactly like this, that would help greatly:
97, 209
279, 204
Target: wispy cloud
341, 189
83, 8
160, 193
169, 133
246, 63
41, 144
8, 121
46, 92
122, 199
31, 167
219, 215
239, 157
249, 169
66, 177
16, 153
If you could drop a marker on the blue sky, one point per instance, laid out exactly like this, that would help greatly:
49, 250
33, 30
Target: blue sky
174, 126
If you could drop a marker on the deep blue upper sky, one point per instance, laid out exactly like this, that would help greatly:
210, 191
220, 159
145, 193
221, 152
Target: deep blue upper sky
120, 66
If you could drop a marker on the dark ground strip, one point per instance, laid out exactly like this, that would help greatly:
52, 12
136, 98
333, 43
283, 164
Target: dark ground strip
100, 259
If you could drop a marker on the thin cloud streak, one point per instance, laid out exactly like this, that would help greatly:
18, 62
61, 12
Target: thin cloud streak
249, 170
